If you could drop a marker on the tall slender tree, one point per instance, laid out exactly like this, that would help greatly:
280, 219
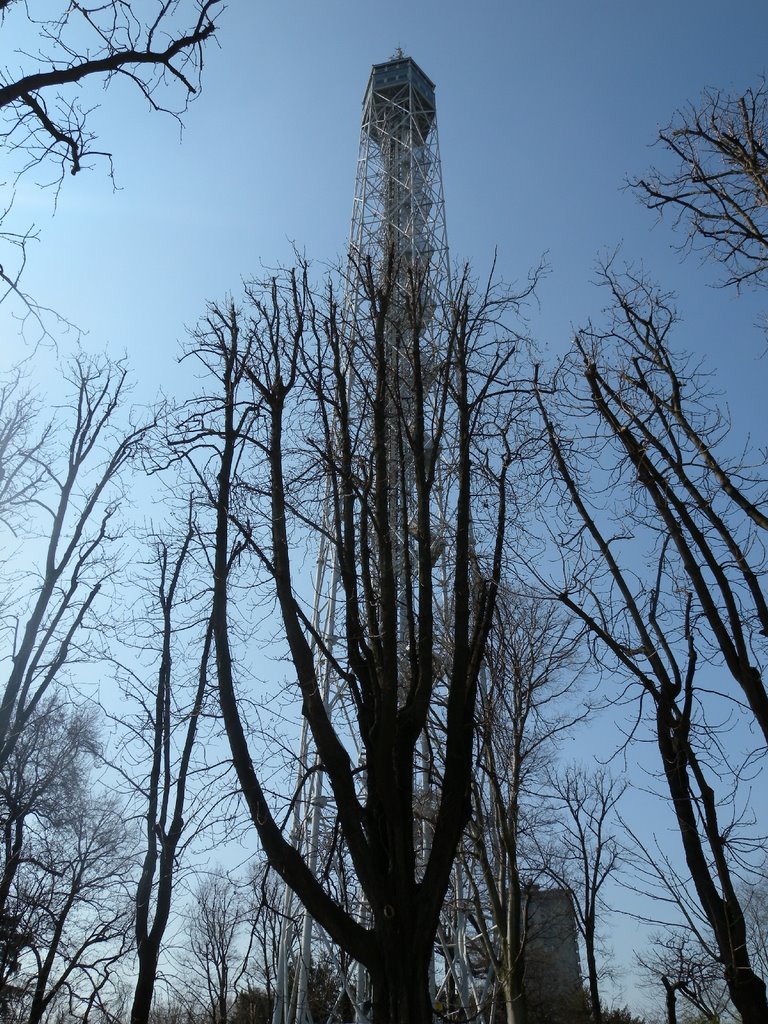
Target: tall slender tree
584, 853
394, 449
523, 709
62, 499
160, 724
696, 617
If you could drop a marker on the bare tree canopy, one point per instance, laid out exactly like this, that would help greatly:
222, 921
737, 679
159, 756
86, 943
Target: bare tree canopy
392, 449
523, 710
153, 46
717, 187
585, 853
156, 46
62, 496
661, 541
64, 903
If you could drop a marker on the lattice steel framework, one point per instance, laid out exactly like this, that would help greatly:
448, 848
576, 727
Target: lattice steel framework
399, 205
398, 212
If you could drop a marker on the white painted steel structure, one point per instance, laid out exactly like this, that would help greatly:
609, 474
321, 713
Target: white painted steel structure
399, 205
399, 211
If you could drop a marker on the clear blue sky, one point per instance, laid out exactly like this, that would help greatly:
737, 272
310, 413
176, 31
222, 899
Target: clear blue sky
544, 108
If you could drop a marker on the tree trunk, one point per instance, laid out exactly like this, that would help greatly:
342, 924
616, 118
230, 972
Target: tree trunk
714, 886
514, 983
670, 999
143, 993
400, 988
516, 1007
594, 990
747, 993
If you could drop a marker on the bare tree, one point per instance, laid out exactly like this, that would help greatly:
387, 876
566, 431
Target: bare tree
325, 429
159, 726
531, 666
718, 186
66, 912
35, 784
265, 902
217, 946
755, 899
45, 102
66, 478
584, 853
667, 578
22, 447
677, 961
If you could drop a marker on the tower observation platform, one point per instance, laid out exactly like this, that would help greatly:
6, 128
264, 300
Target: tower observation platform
396, 85
398, 207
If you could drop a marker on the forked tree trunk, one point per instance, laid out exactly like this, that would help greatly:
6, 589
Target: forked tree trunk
273, 368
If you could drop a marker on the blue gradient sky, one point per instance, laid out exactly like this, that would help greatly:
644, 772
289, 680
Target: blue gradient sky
544, 109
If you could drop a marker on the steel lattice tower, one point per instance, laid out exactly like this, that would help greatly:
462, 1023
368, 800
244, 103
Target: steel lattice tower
398, 212
399, 205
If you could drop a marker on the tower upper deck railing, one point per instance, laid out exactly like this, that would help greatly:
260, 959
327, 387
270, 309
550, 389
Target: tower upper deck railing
399, 89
